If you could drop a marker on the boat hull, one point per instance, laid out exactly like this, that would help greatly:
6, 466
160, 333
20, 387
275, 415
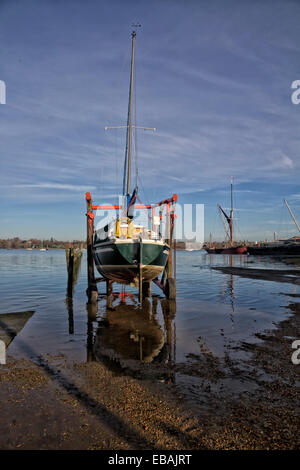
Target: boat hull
234, 250
118, 260
275, 250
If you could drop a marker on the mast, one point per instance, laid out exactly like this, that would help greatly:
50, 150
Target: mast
292, 215
229, 218
231, 213
129, 127
223, 220
129, 124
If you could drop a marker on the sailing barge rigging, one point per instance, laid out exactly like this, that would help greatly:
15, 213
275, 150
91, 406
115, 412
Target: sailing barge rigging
231, 249
126, 252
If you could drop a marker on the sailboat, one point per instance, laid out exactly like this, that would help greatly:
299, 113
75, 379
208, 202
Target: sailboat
290, 246
231, 249
124, 251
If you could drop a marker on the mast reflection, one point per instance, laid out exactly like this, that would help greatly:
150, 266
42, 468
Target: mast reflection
137, 338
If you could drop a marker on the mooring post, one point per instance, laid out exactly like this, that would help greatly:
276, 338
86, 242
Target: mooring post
69, 303
92, 291
70, 262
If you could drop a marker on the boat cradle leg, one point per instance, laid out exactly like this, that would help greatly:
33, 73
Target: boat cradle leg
140, 283
140, 277
146, 289
109, 293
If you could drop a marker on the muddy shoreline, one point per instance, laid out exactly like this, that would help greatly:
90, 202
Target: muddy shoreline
276, 275
52, 403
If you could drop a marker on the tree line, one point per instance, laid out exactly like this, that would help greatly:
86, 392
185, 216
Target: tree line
35, 243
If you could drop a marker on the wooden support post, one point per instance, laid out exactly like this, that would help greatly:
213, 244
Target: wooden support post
174, 244
146, 289
170, 240
109, 288
92, 309
170, 285
154, 307
92, 290
70, 262
69, 303
141, 270
109, 293
169, 312
140, 283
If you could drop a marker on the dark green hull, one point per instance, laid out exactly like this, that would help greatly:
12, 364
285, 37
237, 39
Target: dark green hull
119, 260
284, 249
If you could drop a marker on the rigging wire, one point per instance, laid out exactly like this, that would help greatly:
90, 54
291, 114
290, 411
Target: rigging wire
135, 133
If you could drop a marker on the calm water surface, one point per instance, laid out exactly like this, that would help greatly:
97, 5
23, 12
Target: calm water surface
212, 309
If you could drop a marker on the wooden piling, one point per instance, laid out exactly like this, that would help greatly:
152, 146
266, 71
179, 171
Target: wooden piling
170, 232
92, 290
73, 258
69, 303
70, 261
109, 293
140, 279
170, 283
146, 289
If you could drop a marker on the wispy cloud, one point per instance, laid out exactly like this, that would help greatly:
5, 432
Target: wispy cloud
55, 186
214, 81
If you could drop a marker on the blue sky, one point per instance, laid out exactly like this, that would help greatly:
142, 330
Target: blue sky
213, 77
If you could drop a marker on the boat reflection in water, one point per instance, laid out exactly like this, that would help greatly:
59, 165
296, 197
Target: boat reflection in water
130, 337
70, 289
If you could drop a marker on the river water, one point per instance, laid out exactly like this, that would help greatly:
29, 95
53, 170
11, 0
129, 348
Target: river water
212, 310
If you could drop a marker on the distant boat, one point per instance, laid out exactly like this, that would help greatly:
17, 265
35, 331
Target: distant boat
122, 248
231, 249
193, 246
43, 249
289, 247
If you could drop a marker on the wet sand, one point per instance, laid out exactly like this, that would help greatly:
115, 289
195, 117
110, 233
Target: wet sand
52, 403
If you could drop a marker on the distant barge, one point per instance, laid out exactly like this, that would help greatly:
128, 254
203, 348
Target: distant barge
231, 249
